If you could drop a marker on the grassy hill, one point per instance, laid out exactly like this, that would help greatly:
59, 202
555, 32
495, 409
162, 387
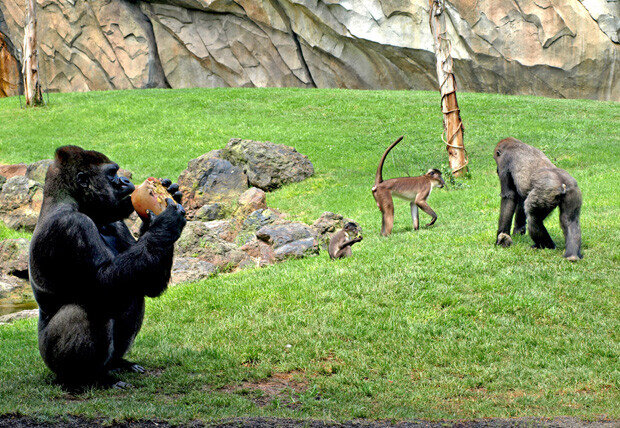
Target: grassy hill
430, 324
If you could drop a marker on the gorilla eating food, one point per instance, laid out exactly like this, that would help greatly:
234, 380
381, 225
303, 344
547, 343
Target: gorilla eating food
88, 273
533, 186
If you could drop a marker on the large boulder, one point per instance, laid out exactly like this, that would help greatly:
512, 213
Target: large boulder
20, 203
210, 212
14, 257
297, 249
210, 179
252, 223
267, 165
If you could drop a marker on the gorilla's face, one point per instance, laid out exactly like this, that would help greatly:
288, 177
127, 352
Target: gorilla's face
105, 196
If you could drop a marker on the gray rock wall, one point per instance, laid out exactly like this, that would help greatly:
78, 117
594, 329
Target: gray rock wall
557, 48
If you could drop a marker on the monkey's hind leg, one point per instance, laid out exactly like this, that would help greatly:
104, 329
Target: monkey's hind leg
344, 253
386, 205
415, 216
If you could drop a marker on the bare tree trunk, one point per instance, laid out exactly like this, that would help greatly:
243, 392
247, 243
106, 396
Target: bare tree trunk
32, 87
453, 126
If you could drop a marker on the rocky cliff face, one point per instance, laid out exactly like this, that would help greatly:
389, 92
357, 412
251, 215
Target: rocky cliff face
558, 48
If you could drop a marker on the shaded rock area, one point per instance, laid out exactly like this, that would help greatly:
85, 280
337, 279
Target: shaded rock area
36, 171
20, 202
14, 286
14, 257
191, 269
551, 48
10, 171
289, 239
21, 193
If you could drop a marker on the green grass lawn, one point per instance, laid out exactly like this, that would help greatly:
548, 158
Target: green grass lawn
430, 324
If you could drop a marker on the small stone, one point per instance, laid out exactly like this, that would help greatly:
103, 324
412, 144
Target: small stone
29, 313
251, 200
191, 269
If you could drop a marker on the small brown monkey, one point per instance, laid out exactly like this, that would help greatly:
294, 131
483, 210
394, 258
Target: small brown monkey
413, 189
340, 244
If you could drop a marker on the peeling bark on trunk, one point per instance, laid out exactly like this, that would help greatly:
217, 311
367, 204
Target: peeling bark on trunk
32, 87
453, 126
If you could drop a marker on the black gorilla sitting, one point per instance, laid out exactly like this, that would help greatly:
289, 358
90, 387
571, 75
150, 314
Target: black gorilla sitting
88, 273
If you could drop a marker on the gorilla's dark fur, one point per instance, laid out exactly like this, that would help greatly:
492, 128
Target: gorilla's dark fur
533, 186
89, 275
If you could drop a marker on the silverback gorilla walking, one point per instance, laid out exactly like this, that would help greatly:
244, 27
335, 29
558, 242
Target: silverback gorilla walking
88, 273
533, 186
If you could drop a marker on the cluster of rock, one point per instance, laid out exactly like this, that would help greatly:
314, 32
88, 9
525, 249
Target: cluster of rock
229, 226
566, 48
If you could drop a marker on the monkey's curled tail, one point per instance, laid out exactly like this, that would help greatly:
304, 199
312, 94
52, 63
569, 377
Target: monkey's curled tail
379, 175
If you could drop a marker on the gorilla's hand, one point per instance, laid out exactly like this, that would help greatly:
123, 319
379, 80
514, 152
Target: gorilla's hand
173, 189
166, 228
146, 222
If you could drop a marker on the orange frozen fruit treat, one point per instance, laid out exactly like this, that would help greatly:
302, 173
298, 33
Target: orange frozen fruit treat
150, 195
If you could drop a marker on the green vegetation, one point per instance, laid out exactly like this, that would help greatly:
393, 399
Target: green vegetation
431, 324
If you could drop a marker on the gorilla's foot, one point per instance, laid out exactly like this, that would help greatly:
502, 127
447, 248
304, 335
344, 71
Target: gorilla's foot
123, 365
519, 231
544, 245
573, 257
504, 240
121, 385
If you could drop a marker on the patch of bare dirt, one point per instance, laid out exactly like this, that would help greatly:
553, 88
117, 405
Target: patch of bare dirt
283, 387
